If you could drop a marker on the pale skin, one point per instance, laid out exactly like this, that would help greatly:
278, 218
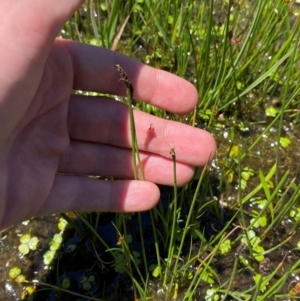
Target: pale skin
50, 139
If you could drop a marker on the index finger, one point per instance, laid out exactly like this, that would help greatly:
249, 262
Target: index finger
95, 70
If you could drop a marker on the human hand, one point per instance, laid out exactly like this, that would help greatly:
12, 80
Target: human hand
50, 139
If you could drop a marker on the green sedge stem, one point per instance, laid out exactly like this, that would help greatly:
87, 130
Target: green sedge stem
175, 218
135, 149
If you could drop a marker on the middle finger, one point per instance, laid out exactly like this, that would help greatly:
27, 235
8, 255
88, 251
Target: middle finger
106, 121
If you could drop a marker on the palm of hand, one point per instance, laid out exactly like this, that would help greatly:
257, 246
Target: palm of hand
34, 148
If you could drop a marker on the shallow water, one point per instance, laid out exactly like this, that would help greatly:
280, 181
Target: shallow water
76, 265
32, 264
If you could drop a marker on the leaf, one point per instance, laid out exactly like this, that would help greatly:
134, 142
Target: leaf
120, 265
27, 292
119, 268
225, 247
211, 295
262, 221
234, 152
71, 248
24, 249
66, 283
206, 115
156, 272
49, 256
58, 238
252, 238
14, 272
240, 85
271, 112
62, 224
258, 253
25, 238
243, 184
206, 277
54, 246
262, 281
284, 142
247, 173
20, 279
33, 243
27, 243
86, 286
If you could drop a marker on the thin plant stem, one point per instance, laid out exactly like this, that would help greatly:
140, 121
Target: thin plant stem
174, 221
36, 282
135, 149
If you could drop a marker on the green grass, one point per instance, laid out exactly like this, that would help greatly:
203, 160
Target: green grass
239, 236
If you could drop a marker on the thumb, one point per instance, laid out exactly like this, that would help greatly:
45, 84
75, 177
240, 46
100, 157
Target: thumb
27, 31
